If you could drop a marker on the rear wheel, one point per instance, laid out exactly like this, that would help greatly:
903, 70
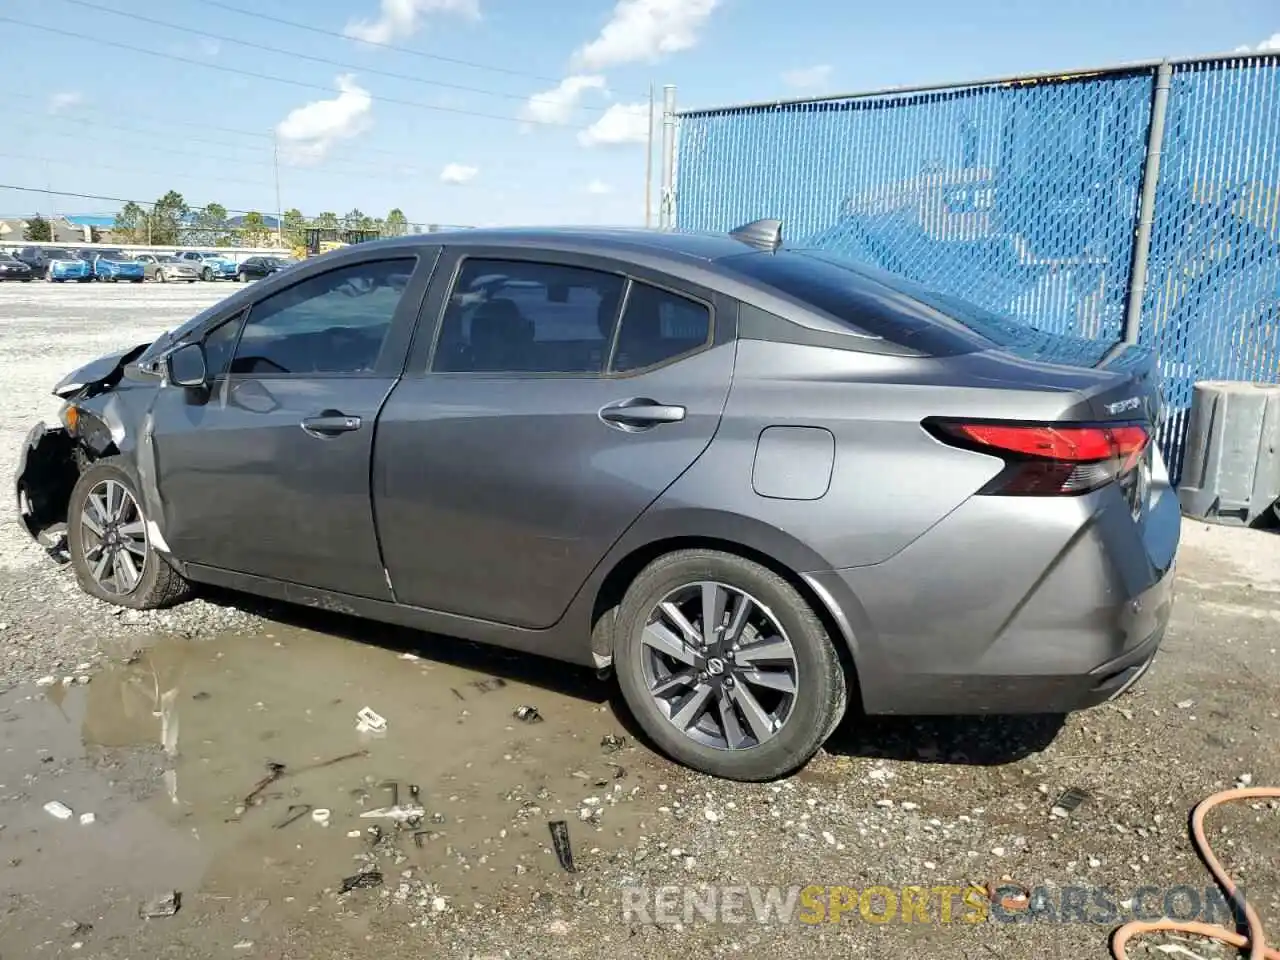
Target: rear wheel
110, 547
206, 274
726, 666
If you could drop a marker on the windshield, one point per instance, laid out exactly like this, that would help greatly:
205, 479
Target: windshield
59, 254
5, 256
168, 260
117, 257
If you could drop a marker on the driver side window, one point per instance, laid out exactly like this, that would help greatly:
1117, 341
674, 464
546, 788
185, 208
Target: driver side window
331, 324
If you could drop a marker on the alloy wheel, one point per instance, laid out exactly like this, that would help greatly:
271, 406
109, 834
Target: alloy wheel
114, 537
719, 666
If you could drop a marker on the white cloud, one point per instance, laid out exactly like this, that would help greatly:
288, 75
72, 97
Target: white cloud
558, 104
599, 187
309, 131
1269, 45
621, 123
645, 30
64, 101
807, 78
458, 173
402, 18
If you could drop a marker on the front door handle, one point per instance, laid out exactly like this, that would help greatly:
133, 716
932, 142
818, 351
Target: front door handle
330, 423
640, 413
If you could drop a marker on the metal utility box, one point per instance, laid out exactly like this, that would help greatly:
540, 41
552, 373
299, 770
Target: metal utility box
1231, 472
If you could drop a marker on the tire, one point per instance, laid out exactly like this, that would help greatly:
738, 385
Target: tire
240, 277
157, 584
162, 276
206, 275
820, 694
137, 279
48, 276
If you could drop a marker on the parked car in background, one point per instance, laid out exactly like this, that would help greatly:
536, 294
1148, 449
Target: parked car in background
255, 268
757, 483
55, 264
166, 267
212, 266
11, 268
112, 266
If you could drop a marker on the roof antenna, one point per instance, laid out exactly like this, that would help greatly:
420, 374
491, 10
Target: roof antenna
762, 234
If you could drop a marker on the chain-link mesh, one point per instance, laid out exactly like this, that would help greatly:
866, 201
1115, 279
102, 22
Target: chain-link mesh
1212, 304
1023, 197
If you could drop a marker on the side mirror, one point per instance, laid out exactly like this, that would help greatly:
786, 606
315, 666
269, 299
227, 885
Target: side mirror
186, 366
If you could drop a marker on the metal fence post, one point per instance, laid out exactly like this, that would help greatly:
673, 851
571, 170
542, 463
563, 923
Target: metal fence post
1147, 203
667, 208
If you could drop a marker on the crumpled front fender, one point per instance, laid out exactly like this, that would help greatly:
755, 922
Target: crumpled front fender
46, 474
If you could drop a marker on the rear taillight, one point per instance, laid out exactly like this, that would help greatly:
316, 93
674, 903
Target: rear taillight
1049, 459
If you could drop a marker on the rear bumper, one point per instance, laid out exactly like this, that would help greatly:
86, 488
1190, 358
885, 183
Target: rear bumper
1064, 610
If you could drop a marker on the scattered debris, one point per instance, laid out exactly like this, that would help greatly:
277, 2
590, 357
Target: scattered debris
1185, 704
244, 945
76, 928
46, 681
354, 834
58, 809
1010, 896
295, 813
527, 714
364, 880
87, 818
277, 771
369, 722
320, 816
560, 841
489, 685
612, 744
201, 695
164, 906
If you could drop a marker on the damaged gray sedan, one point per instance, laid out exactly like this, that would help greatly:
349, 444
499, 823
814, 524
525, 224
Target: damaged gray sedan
757, 483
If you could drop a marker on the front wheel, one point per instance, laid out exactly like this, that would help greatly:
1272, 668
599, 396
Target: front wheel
726, 666
110, 546
206, 275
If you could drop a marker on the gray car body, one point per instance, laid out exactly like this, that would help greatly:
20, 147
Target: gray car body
802, 448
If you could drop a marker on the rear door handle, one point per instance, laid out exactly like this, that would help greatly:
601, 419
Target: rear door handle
330, 424
640, 413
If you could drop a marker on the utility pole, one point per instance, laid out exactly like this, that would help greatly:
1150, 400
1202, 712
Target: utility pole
275, 156
667, 213
648, 166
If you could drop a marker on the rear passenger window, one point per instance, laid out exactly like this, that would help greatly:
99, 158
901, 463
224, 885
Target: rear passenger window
659, 326
516, 316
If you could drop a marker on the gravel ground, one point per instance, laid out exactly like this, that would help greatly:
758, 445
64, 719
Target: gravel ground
948, 802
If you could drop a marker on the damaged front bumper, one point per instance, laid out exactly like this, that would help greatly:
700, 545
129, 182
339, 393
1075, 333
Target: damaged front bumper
46, 475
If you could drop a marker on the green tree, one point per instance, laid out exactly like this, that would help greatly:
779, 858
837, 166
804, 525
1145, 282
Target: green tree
396, 224
95, 234
294, 227
253, 230
210, 226
131, 224
168, 218
356, 219
39, 230
327, 221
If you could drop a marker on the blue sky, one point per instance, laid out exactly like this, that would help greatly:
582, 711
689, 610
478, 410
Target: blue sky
487, 111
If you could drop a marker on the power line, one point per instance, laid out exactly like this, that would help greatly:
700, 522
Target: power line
278, 51
270, 77
385, 46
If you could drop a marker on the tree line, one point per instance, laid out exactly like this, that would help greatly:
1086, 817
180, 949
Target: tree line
171, 221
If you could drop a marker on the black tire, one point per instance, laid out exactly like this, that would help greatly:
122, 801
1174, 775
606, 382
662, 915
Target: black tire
821, 692
159, 584
206, 275
162, 276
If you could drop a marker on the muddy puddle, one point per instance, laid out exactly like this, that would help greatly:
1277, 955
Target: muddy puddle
236, 772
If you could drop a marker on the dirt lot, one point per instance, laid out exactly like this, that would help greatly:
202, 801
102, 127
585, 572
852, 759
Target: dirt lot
161, 726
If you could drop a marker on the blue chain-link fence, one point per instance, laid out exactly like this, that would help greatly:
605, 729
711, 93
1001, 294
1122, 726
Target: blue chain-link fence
1023, 196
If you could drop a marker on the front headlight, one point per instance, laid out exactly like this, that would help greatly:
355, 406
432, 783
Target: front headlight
70, 417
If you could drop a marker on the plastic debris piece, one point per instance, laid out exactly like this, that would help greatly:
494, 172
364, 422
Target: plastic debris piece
612, 744
560, 841
87, 818
58, 809
163, 906
528, 714
362, 881
46, 681
320, 816
369, 722
1068, 801
354, 834
401, 814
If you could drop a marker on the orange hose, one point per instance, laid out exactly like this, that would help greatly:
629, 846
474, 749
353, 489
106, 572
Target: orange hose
1256, 941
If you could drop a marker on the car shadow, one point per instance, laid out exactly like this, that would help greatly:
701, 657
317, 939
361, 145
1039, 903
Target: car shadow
510, 665
963, 740
960, 740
